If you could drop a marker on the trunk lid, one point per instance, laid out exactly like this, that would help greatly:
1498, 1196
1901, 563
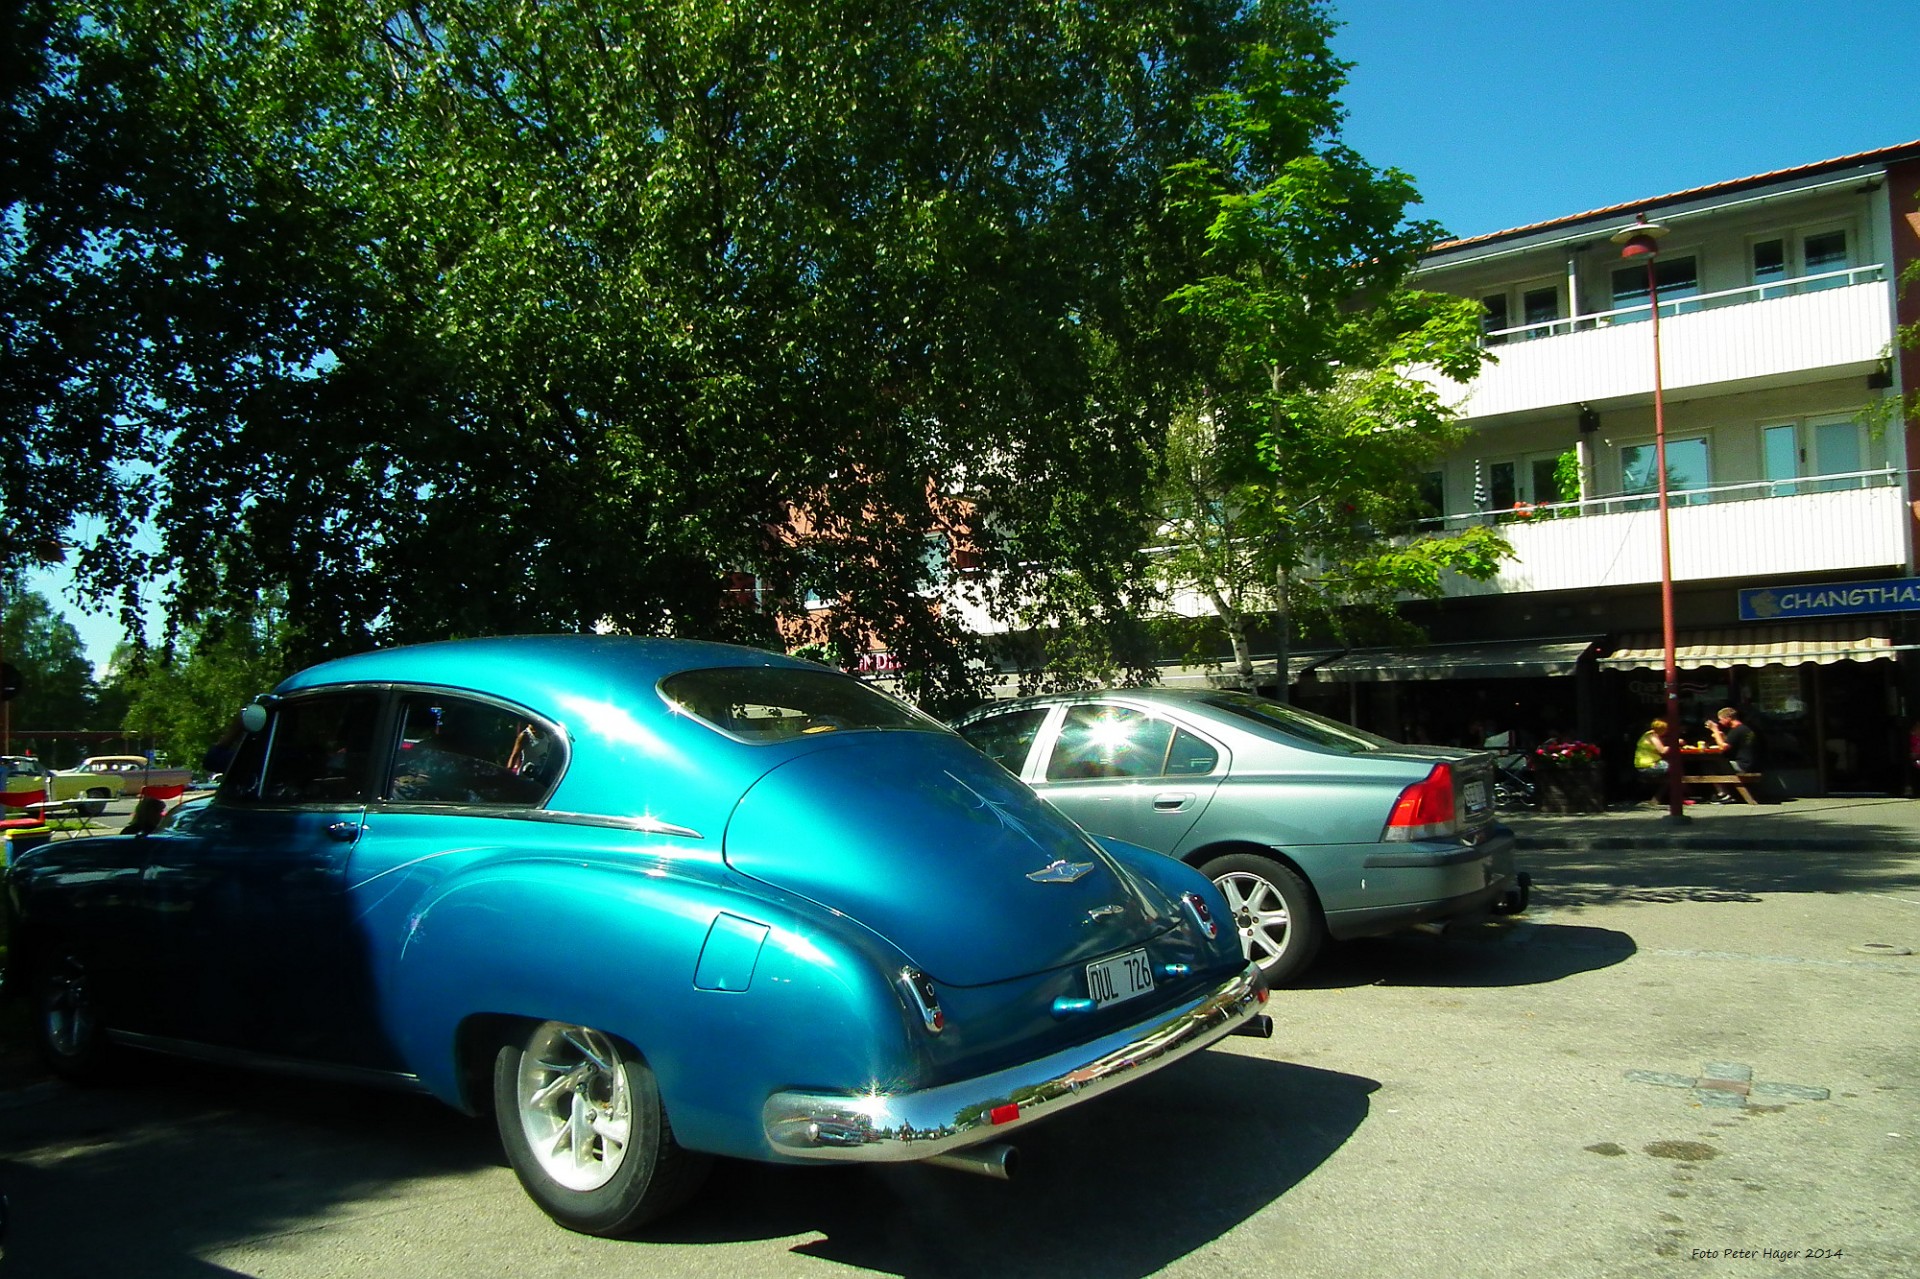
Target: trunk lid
935, 847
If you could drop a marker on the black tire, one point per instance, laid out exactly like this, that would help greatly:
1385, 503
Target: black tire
558, 1079
66, 1025
94, 804
1277, 915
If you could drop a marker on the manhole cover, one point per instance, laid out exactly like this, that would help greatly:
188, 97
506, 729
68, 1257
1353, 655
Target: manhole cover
1879, 948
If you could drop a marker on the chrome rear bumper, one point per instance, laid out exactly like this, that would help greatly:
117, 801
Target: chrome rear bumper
885, 1127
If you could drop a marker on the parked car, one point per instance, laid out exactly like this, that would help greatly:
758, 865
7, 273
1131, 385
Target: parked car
649, 901
99, 778
1309, 827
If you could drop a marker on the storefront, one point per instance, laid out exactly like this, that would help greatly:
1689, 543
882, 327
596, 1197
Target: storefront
1824, 697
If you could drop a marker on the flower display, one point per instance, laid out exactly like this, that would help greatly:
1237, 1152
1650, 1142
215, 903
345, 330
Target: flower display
1565, 754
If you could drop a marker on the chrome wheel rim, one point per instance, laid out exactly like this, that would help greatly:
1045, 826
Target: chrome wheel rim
1260, 913
575, 1106
68, 1014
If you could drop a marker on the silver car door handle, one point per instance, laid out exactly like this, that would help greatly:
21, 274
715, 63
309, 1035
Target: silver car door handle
345, 832
1172, 801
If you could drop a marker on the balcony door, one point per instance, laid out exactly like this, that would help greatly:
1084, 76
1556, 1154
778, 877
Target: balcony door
1796, 454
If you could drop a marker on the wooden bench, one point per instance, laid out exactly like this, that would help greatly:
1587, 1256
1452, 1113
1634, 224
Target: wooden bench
1737, 782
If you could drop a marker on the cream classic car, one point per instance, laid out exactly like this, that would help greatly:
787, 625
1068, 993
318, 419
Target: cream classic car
104, 777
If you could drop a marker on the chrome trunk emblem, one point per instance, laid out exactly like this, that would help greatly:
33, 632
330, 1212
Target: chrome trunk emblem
1101, 912
1061, 872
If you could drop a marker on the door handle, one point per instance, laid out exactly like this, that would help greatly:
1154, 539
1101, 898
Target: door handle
1172, 801
345, 832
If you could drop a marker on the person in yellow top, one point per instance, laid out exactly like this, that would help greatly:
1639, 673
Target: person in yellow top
1651, 757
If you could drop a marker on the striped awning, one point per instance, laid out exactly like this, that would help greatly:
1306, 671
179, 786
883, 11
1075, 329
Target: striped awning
1493, 659
1818, 644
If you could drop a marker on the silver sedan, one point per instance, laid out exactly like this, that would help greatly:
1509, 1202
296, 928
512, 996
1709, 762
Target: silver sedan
1310, 827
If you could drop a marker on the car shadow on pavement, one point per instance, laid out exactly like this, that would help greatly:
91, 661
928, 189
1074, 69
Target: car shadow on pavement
1120, 1186
1506, 952
146, 1179
136, 1180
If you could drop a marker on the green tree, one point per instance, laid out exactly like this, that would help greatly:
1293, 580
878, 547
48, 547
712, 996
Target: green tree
181, 697
58, 690
454, 318
1313, 408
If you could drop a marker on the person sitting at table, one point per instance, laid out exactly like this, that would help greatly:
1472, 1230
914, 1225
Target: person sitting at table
1734, 747
1651, 758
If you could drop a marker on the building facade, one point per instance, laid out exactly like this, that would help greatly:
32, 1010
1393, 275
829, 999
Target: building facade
1791, 524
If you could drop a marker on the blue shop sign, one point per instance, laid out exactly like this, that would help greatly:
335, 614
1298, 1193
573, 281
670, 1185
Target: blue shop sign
1829, 599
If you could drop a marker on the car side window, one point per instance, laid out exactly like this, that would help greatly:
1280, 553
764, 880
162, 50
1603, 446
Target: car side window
455, 750
1189, 756
318, 751
1006, 739
1109, 741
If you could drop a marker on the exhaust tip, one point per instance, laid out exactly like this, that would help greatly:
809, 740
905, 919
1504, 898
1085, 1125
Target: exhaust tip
995, 1159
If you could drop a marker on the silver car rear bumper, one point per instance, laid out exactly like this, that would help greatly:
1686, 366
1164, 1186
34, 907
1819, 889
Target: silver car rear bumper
883, 1127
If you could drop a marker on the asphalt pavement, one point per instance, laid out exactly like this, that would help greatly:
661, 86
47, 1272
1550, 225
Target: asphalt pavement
1699, 1054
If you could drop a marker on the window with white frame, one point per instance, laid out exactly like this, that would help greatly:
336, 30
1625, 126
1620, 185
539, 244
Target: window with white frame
1780, 259
1677, 278
1817, 455
1538, 306
1532, 480
1687, 469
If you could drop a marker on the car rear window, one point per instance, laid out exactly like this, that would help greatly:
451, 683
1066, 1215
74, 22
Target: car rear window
776, 704
1317, 730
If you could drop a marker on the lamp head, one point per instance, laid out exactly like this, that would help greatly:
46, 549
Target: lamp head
1639, 241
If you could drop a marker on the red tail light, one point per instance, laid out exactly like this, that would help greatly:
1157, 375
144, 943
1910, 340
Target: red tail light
1424, 809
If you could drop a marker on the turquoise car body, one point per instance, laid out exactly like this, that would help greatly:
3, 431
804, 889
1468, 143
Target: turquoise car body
829, 940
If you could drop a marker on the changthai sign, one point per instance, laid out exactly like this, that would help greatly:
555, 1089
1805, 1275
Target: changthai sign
1829, 599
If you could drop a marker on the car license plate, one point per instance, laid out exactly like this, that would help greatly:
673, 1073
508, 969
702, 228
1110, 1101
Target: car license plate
1111, 980
1475, 794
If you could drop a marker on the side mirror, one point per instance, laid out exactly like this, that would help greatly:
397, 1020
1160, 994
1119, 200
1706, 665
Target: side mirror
253, 717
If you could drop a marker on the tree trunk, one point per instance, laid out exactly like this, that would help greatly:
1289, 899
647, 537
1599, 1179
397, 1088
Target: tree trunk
1236, 624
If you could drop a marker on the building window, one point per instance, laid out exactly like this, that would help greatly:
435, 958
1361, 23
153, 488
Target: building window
1798, 456
1433, 496
1770, 266
1686, 471
1540, 307
1677, 278
1494, 323
1825, 252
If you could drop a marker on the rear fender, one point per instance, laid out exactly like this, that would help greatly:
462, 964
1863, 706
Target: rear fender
618, 950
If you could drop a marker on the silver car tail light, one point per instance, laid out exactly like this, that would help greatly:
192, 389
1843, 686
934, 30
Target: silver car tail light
924, 998
1202, 916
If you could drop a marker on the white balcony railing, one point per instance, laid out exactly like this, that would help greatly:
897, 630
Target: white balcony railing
1773, 529
1834, 322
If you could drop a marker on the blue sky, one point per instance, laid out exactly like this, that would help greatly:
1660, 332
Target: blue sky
1508, 112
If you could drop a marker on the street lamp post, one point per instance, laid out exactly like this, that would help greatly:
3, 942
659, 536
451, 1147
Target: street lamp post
1641, 242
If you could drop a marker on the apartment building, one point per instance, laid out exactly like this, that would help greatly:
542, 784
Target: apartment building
1792, 524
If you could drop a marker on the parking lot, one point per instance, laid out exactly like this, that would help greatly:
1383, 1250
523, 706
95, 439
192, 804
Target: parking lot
1692, 1049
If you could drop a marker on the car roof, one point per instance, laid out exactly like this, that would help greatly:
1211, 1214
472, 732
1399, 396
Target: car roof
1146, 692
534, 668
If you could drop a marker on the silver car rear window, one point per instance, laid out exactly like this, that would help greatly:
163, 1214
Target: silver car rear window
1316, 730
776, 703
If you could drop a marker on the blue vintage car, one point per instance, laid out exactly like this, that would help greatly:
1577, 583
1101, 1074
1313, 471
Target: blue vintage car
649, 901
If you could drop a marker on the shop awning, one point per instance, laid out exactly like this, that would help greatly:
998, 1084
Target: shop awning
1819, 643
1506, 659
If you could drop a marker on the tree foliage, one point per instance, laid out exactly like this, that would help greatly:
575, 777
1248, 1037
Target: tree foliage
1313, 408
461, 317
181, 698
57, 688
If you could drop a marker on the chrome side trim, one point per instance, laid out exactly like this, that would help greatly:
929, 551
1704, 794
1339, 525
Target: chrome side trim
362, 1076
881, 1127
648, 825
